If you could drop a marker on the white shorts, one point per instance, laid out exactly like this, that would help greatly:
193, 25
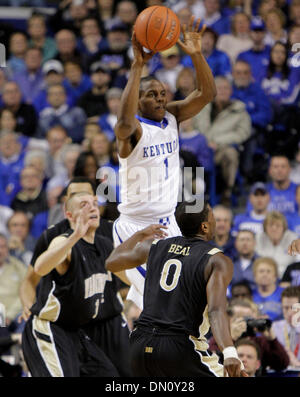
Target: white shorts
124, 227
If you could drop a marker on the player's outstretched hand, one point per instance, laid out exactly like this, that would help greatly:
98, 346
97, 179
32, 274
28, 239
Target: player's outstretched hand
233, 368
140, 55
153, 232
83, 222
192, 38
294, 248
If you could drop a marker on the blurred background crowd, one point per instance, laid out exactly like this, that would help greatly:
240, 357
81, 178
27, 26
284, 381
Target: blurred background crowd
67, 63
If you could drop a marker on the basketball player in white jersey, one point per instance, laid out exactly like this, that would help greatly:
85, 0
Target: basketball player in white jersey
147, 138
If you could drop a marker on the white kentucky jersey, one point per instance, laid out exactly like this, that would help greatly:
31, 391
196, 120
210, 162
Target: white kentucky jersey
150, 175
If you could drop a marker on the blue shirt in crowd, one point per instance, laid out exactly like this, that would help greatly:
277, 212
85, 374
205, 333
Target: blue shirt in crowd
270, 305
258, 60
257, 103
283, 200
218, 61
293, 221
248, 221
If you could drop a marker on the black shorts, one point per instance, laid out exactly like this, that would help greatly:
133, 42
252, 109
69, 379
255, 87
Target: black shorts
52, 351
112, 336
164, 354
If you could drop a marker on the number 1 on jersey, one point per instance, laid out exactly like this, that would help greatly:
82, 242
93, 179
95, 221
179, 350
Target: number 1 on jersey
167, 171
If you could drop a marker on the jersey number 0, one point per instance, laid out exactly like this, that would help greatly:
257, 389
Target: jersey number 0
165, 273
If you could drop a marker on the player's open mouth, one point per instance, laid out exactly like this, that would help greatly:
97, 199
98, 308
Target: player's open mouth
94, 217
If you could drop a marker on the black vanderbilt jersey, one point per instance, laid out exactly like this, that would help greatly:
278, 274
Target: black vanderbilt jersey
86, 292
104, 229
175, 287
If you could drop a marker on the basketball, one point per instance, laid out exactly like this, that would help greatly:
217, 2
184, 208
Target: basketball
157, 28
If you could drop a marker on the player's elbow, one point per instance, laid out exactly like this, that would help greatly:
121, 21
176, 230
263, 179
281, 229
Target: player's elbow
111, 266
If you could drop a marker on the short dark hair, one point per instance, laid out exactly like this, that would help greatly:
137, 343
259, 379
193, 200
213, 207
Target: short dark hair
242, 283
81, 179
249, 342
146, 80
189, 223
291, 292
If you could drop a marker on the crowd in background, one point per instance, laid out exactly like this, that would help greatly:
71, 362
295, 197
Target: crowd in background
59, 97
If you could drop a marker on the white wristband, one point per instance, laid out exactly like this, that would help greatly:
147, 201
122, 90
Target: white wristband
231, 352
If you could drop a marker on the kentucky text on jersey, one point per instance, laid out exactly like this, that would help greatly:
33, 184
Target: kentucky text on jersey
161, 149
96, 284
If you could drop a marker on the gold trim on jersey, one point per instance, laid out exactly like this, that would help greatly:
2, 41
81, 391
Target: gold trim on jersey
47, 349
201, 345
51, 309
214, 251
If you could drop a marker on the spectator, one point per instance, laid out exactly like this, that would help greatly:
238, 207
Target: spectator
275, 239
249, 353
213, 17
53, 71
273, 354
75, 80
275, 21
171, 67
91, 40
99, 146
193, 141
12, 273
294, 13
5, 213
281, 85
38, 159
267, 293
59, 113
86, 165
243, 262
108, 120
31, 199
24, 113
253, 220
18, 44
239, 39
115, 58
66, 46
69, 15
68, 158
126, 13
218, 61
282, 191
295, 169
241, 290
185, 84
223, 238
259, 55
105, 11
285, 331
294, 219
11, 164
21, 243
226, 124
3, 81
90, 130
37, 31
291, 276
190, 7
8, 122
31, 80
93, 101
259, 109
57, 138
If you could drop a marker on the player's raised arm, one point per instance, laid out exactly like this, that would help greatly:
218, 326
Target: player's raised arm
219, 274
58, 254
127, 124
205, 85
130, 254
